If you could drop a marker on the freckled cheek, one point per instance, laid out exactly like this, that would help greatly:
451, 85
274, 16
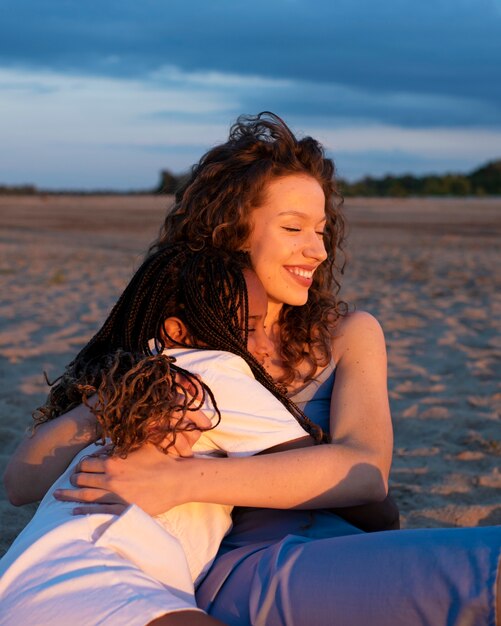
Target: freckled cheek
268, 281
264, 265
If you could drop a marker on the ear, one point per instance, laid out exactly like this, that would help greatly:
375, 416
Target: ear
175, 329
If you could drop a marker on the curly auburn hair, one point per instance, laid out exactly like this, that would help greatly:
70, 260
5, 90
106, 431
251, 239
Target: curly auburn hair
214, 208
205, 289
143, 399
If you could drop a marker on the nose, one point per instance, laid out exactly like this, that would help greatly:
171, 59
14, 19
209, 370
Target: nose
315, 248
199, 419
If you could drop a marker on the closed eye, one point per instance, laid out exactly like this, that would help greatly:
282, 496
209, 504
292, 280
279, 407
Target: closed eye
291, 230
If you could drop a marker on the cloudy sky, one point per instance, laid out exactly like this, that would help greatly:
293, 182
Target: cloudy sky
105, 93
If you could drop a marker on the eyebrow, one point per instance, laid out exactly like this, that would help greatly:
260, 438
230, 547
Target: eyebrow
301, 214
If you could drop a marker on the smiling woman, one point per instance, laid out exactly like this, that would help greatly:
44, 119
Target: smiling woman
265, 192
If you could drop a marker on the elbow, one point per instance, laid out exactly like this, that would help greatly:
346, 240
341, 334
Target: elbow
378, 479
364, 484
378, 490
377, 472
14, 494
16, 500
372, 480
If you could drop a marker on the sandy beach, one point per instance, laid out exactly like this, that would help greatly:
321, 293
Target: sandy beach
429, 270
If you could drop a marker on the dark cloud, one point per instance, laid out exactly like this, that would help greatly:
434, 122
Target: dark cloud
447, 48
331, 104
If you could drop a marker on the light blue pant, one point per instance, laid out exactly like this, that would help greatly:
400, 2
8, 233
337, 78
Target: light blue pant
429, 577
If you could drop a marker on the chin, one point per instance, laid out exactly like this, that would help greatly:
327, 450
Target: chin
298, 300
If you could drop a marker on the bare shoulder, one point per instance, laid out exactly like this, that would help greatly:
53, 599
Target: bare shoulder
358, 331
358, 321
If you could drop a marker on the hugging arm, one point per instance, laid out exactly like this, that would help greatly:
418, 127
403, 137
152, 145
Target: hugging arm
352, 469
43, 455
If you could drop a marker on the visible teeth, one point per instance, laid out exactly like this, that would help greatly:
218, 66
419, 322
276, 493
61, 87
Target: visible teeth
300, 272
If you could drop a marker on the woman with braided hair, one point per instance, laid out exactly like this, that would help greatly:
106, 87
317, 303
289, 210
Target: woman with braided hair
148, 397
289, 559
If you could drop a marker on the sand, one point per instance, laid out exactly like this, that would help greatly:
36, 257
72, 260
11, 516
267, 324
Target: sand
429, 270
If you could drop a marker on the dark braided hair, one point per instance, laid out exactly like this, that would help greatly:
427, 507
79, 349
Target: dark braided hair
206, 290
215, 205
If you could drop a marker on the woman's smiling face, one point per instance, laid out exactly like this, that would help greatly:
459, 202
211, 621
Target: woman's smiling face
286, 243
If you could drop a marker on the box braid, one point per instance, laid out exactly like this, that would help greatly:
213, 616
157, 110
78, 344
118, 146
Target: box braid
205, 289
136, 318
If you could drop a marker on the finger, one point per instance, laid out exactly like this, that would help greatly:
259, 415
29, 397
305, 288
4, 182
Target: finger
91, 464
199, 419
192, 387
185, 383
89, 479
182, 446
89, 509
87, 495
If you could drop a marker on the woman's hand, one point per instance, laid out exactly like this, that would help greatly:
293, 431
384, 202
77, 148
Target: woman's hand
147, 477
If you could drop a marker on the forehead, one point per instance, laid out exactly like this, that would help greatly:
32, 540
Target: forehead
297, 194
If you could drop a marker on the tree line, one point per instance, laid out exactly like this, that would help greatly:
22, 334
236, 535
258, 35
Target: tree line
484, 181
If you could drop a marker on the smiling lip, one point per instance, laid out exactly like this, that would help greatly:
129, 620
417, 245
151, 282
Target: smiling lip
302, 274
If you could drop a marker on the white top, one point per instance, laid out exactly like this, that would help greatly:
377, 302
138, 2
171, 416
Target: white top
252, 421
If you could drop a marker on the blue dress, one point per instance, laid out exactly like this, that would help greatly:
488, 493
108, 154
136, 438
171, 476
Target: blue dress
311, 568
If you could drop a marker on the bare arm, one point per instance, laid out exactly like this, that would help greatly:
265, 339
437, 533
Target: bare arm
353, 469
44, 455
